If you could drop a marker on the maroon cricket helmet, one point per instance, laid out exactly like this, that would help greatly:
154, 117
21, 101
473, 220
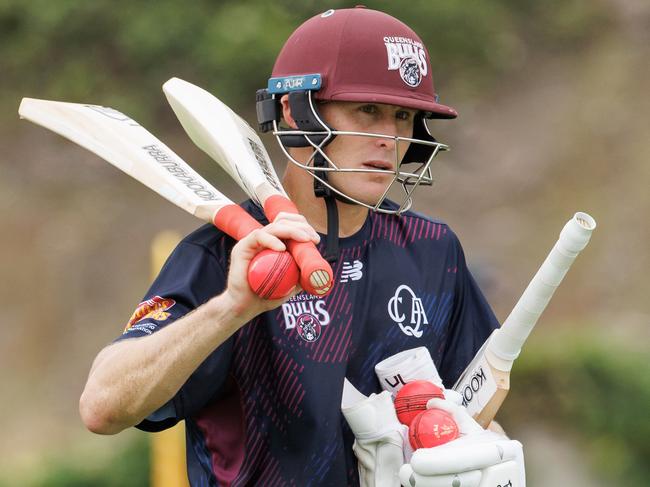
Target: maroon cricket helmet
363, 55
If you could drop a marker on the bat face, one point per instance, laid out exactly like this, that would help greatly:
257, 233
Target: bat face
131, 148
224, 136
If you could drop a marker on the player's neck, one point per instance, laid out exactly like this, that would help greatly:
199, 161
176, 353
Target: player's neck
300, 191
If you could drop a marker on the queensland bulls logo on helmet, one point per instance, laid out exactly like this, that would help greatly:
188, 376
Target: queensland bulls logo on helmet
410, 72
409, 57
308, 327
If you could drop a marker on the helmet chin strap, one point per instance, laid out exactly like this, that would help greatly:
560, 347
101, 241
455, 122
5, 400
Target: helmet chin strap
322, 191
332, 248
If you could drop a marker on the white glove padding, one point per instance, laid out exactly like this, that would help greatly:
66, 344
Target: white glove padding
478, 458
408, 365
379, 439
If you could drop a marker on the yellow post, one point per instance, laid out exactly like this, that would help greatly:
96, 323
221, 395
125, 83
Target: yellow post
168, 466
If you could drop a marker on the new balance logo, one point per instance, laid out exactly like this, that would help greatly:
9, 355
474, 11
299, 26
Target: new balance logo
351, 271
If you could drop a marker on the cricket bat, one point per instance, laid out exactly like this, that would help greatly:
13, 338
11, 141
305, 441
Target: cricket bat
486, 381
121, 141
236, 147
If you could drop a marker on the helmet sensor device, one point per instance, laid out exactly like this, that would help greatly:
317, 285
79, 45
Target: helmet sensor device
286, 84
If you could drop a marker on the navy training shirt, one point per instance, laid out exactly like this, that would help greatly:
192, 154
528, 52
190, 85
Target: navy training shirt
264, 407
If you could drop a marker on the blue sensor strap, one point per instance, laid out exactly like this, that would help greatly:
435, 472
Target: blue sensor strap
285, 84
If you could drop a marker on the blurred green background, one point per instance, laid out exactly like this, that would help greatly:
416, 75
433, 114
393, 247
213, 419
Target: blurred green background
554, 118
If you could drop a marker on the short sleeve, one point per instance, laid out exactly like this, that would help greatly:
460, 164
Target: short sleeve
471, 323
192, 275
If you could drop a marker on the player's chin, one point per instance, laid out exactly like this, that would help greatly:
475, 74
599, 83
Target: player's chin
371, 195
368, 189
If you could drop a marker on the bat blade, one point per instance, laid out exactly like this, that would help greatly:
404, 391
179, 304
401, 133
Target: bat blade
486, 381
225, 137
127, 145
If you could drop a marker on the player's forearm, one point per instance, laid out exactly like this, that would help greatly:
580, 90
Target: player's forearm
132, 378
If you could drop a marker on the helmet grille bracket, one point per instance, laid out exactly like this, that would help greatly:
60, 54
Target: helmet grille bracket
268, 110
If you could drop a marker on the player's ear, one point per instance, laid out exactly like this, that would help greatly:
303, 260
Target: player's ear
286, 112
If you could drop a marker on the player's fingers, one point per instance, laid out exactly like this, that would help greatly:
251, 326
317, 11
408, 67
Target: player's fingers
301, 221
296, 217
255, 241
286, 230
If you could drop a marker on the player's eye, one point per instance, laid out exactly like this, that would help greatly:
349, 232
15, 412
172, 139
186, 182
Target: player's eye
403, 115
369, 108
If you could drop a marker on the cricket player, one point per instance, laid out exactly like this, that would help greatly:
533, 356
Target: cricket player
259, 383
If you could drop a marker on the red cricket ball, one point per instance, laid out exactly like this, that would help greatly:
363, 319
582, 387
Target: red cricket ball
412, 399
272, 274
432, 427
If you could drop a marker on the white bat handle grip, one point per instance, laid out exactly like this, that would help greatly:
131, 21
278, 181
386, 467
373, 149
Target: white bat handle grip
506, 342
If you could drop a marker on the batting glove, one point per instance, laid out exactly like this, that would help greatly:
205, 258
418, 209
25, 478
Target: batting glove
478, 458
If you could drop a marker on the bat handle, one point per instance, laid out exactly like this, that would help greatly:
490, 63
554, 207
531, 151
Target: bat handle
235, 221
316, 274
269, 279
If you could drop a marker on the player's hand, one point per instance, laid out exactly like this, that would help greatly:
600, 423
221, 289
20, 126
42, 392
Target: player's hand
478, 458
286, 226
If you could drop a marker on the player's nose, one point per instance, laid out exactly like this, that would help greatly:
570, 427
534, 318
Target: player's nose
389, 131
386, 143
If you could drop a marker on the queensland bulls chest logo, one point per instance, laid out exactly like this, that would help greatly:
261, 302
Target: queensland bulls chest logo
307, 314
308, 327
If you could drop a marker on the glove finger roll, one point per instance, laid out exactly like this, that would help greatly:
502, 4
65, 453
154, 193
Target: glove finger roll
465, 457
409, 478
